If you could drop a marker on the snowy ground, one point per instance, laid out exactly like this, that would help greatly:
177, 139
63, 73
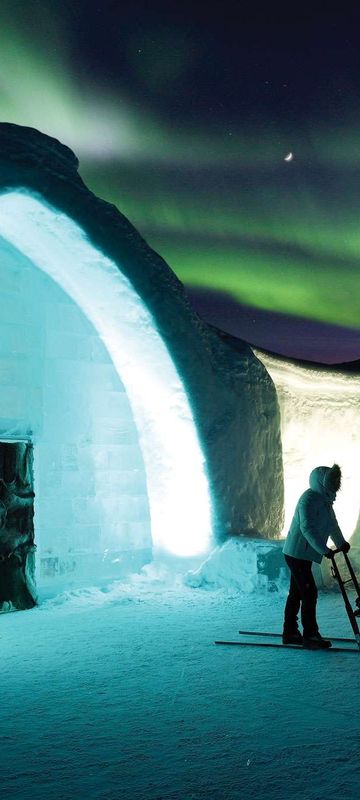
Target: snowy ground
121, 694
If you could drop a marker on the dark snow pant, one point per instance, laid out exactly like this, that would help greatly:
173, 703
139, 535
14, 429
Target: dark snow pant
303, 592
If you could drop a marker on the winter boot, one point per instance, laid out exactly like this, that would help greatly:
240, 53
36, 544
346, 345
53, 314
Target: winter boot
316, 642
292, 638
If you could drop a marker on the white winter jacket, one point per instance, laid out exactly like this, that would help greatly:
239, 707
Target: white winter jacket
314, 521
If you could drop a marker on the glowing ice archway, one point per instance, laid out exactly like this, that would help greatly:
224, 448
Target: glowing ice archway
179, 496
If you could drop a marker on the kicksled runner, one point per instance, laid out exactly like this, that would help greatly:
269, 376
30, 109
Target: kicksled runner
341, 645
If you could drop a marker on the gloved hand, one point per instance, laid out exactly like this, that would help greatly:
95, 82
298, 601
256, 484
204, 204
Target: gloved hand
328, 553
345, 548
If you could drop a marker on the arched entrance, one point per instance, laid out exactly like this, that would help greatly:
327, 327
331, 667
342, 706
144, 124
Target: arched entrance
178, 495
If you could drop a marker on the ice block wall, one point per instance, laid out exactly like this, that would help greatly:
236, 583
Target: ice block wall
60, 388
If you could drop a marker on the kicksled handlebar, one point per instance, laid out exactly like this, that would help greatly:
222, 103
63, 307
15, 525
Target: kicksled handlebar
352, 613
335, 552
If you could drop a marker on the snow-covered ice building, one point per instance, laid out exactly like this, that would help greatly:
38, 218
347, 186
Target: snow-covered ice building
128, 424
320, 424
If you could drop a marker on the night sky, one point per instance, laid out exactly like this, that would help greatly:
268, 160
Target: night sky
182, 114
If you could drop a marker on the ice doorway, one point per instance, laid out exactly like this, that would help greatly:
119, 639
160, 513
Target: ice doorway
17, 546
40, 239
62, 400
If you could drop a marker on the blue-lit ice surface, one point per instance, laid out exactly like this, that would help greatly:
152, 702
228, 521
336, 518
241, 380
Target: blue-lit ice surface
122, 694
151, 435
97, 410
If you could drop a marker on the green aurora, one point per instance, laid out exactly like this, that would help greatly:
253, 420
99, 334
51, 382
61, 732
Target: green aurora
222, 207
273, 247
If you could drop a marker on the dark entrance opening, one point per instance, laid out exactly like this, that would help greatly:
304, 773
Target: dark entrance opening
17, 548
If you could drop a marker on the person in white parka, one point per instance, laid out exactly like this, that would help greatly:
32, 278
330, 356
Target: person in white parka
314, 521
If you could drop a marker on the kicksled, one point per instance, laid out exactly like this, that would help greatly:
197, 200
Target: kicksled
339, 645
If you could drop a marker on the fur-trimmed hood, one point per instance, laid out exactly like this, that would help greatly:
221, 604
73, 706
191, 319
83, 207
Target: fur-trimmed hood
326, 481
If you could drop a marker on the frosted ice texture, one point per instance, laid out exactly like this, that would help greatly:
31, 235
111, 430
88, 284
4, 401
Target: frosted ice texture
169, 442
59, 386
242, 565
320, 423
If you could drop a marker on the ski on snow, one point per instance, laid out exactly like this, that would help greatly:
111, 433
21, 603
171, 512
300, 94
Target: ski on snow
292, 646
279, 635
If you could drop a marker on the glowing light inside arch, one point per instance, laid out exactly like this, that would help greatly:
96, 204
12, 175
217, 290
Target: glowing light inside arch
320, 420
178, 489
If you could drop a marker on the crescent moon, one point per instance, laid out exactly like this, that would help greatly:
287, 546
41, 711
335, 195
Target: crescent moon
289, 157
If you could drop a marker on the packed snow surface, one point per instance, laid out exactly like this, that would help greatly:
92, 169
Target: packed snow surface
118, 691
